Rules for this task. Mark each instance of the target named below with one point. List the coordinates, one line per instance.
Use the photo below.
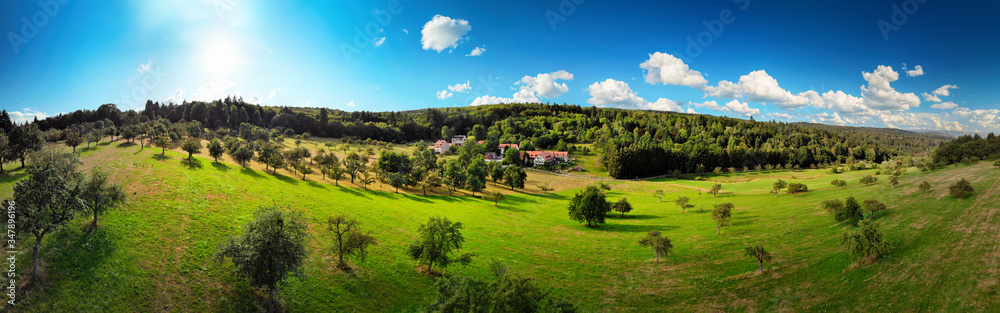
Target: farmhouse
(505, 146)
(539, 158)
(441, 146)
(458, 141)
(492, 157)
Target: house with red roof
(441, 146)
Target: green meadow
(156, 252)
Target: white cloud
(213, 90)
(944, 91)
(691, 111)
(666, 69)
(350, 104)
(613, 92)
(663, 105)
(460, 87)
(944, 105)
(443, 32)
(543, 85)
(741, 108)
(485, 100)
(273, 92)
(931, 97)
(781, 115)
(26, 115)
(476, 52)
(255, 99)
(985, 118)
(378, 41)
(444, 94)
(712, 105)
(405, 31)
(144, 67)
(916, 71)
(758, 86)
(177, 97)
(879, 95)
(839, 101)
(827, 118)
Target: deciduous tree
(866, 243)
(757, 251)
(436, 240)
(961, 189)
(622, 206)
(191, 146)
(589, 206)
(495, 197)
(271, 246)
(348, 240)
(722, 214)
(778, 185)
(661, 244)
(715, 190)
(215, 149)
(101, 194)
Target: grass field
(155, 253)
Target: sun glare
(221, 58)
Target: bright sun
(221, 58)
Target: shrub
(961, 189)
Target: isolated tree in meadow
(243, 155)
(661, 244)
(622, 206)
(866, 243)
(961, 189)
(436, 240)
(271, 246)
(838, 183)
(722, 214)
(894, 181)
(191, 146)
(348, 240)
(334, 171)
(23, 140)
(795, 188)
(590, 206)
(454, 176)
(73, 139)
(496, 172)
(836, 208)
(757, 251)
(476, 176)
(852, 211)
(603, 186)
(996, 163)
(101, 194)
(48, 199)
(778, 185)
(93, 136)
(163, 142)
(544, 187)
(924, 186)
(868, 180)
(715, 190)
(215, 149)
(873, 206)
(494, 197)
(514, 176)
(659, 194)
(684, 203)
(397, 180)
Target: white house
(458, 140)
(441, 146)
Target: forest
(633, 144)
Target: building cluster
(536, 158)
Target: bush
(961, 189)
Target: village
(528, 158)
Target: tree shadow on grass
(512, 208)
(316, 185)
(192, 164)
(13, 176)
(78, 254)
(636, 228)
(220, 166)
(252, 173)
(126, 144)
(160, 157)
(351, 191)
(417, 198)
(742, 219)
(520, 200)
(618, 216)
(286, 179)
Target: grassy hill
(155, 253)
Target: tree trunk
(36, 264)
(95, 219)
(719, 230)
(22, 160)
(271, 290)
(760, 266)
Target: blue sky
(901, 64)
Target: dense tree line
(968, 149)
